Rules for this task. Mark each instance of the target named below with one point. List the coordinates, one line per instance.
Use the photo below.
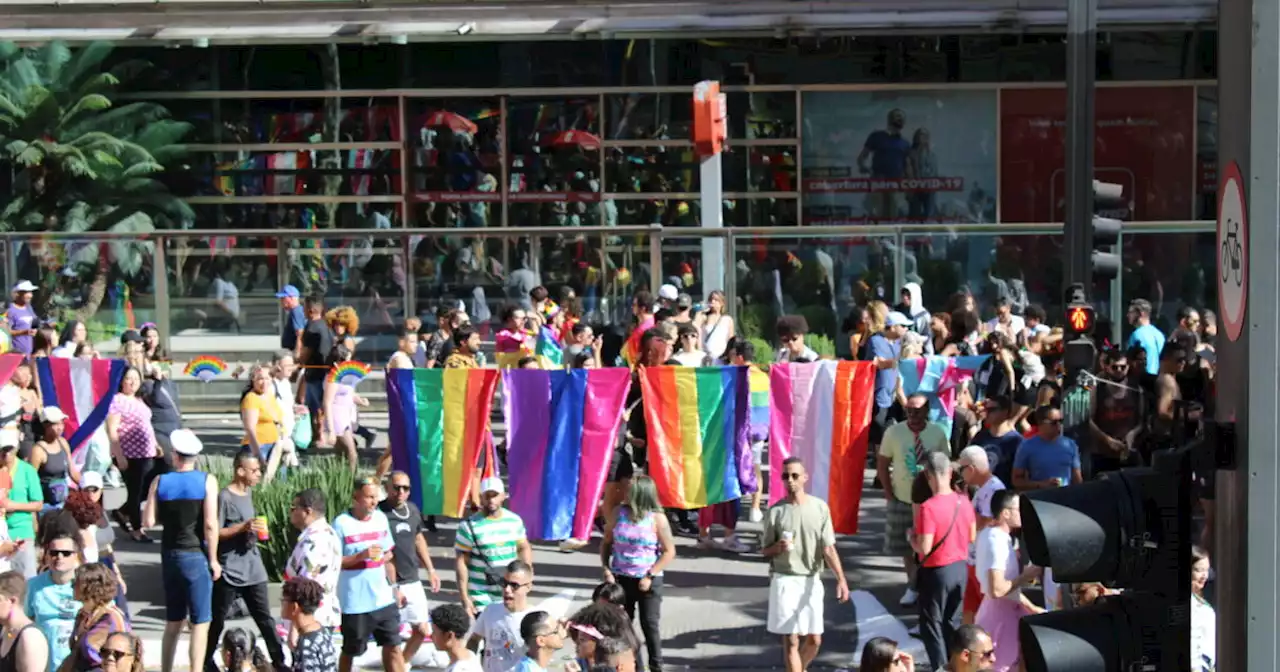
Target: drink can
(788, 536)
(263, 533)
(375, 552)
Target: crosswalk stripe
(874, 620)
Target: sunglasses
(515, 585)
(113, 655)
(57, 552)
(790, 477)
(401, 488)
(989, 654)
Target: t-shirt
(1152, 342)
(1001, 451)
(294, 321)
(364, 590)
(886, 379)
(1043, 460)
(471, 664)
(982, 506)
(528, 664)
(888, 154)
(809, 523)
(228, 294)
(240, 557)
(935, 518)
(25, 489)
(496, 540)
(995, 551)
(267, 430)
(319, 340)
(21, 318)
(406, 526)
(315, 652)
(54, 608)
(899, 445)
(500, 629)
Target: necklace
(396, 511)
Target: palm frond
(99, 83)
(94, 102)
(121, 120)
(51, 57)
(85, 60)
(31, 155)
(9, 107)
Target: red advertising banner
(1144, 140)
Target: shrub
(757, 321)
(822, 322)
(825, 347)
(329, 474)
(764, 351)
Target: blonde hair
(877, 313)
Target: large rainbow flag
(439, 426)
(698, 420)
(81, 388)
(822, 414)
(561, 430)
(631, 348)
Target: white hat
(492, 484)
(896, 319)
(90, 479)
(185, 442)
(24, 286)
(9, 438)
(668, 293)
(52, 414)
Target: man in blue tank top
(185, 502)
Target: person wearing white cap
(51, 456)
(486, 542)
(185, 502)
(21, 503)
(22, 317)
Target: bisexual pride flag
(561, 430)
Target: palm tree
(81, 163)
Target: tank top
(53, 475)
(635, 545)
(9, 661)
(180, 503)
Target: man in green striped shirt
(491, 538)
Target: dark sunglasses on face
(113, 655)
(790, 477)
(401, 488)
(57, 552)
(513, 585)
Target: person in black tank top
(51, 456)
(185, 501)
(24, 647)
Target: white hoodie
(919, 315)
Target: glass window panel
(687, 212)
(821, 279)
(626, 270)
(223, 285)
(658, 169)
(1207, 153)
(649, 116)
(454, 210)
(273, 120)
(1171, 270)
(555, 149)
(570, 266)
(457, 146)
(762, 115)
(109, 298)
(358, 172)
(468, 269)
(294, 216)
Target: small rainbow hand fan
(348, 373)
(205, 367)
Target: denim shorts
(188, 587)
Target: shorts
(415, 609)
(383, 624)
(898, 521)
(620, 466)
(972, 592)
(314, 396)
(188, 587)
(795, 604)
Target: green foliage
(822, 322)
(825, 347)
(764, 351)
(757, 321)
(329, 474)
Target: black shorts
(383, 624)
(620, 466)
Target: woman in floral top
(317, 555)
(133, 445)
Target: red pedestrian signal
(1080, 319)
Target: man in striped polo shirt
(490, 540)
(367, 587)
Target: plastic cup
(263, 533)
(375, 552)
(787, 538)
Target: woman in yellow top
(260, 413)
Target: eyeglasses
(790, 476)
(57, 552)
(515, 585)
(401, 488)
(114, 655)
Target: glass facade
(393, 178)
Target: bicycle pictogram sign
(1233, 251)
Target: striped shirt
(364, 590)
(495, 540)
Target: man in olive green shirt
(799, 540)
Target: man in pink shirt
(944, 529)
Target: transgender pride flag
(81, 388)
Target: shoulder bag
(941, 540)
(493, 576)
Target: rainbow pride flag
(631, 349)
(561, 429)
(439, 426)
(548, 349)
(699, 452)
(822, 415)
(759, 417)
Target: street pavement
(714, 606)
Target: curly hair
(83, 509)
(303, 592)
(95, 585)
(609, 621)
(344, 316)
(135, 647)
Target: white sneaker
(571, 545)
(708, 544)
(733, 545)
(908, 598)
(756, 515)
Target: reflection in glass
(1207, 153)
(295, 216)
(688, 212)
(1171, 270)
(349, 172)
(222, 285)
(649, 116)
(467, 271)
(555, 150)
(109, 297)
(457, 153)
(762, 115)
(1026, 269)
(293, 120)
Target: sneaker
(908, 598)
(571, 545)
(734, 545)
(708, 544)
(756, 515)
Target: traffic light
(1109, 206)
(1078, 351)
(1129, 530)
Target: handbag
(493, 576)
(941, 540)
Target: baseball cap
(288, 292)
(684, 301)
(25, 286)
(90, 479)
(185, 442)
(668, 293)
(131, 336)
(52, 414)
(896, 319)
(492, 484)
(9, 438)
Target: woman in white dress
(716, 325)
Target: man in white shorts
(411, 554)
(799, 540)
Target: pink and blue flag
(81, 388)
(940, 379)
(561, 430)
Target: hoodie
(919, 315)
